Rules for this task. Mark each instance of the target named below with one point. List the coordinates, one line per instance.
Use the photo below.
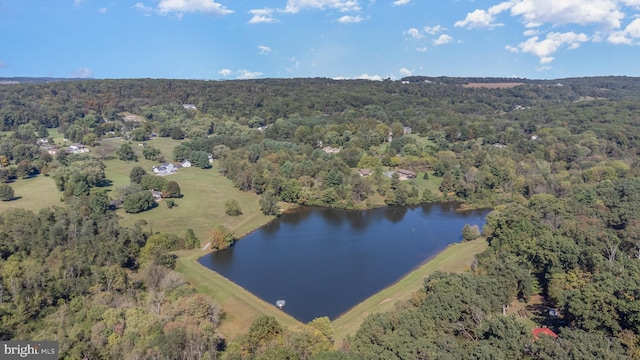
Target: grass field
(33, 194)
(456, 258)
(202, 205)
(241, 307)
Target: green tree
(177, 134)
(125, 153)
(191, 240)
(136, 174)
(153, 182)
(232, 208)
(269, 204)
(171, 189)
(151, 153)
(6, 192)
(138, 202)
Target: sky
(340, 39)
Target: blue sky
(372, 39)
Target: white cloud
(102, 10)
(547, 47)
(370, 77)
(531, 32)
(350, 19)
(422, 49)
(180, 7)
(628, 36)
(535, 13)
(82, 73)
(484, 18)
(294, 6)
(225, 72)
(3, 64)
(246, 74)
(145, 9)
(262, 16)
(401, 2)
(414, 33)
(264, 50)
(405, 72)
(442, 39)
(432, 30)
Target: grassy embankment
(456, 258)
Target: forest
(557, 160)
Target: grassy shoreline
(455, 258)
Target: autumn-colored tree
(221, 237)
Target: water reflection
(324, 261)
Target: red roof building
(543, 331)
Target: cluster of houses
(53, 149)
(169, 168)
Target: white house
(186, 163)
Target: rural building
(406, 174)
(157, 195)
(186, 163)
(543, 331)
(499, 146)
(77, 149)
(164, 169)
(210, 157)
(364, 172)
(189, 106)
(406, 130)
(330, 150)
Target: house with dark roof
(364, 172)
(406, 174)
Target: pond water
(325, 261)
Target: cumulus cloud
(350, 19)
(82, 73)
(432, 30)
(295, 6)
(629, 36)
(401, 2)
(535, 13)
(264, 50)
(484, 18)
(262, 16)
(246, 74)
(225, 72)
(102, 10)
(442, 39)
(405, 72)
(179, 7)
(370, 77)
(547, 47)
(422, 49)
(414, 33)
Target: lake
(325, 261)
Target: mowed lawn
(202, 204)
(33, 194)
(456, 258)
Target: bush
(470, 232)
(232, 208)
(6, 192)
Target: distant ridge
(35, 80)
